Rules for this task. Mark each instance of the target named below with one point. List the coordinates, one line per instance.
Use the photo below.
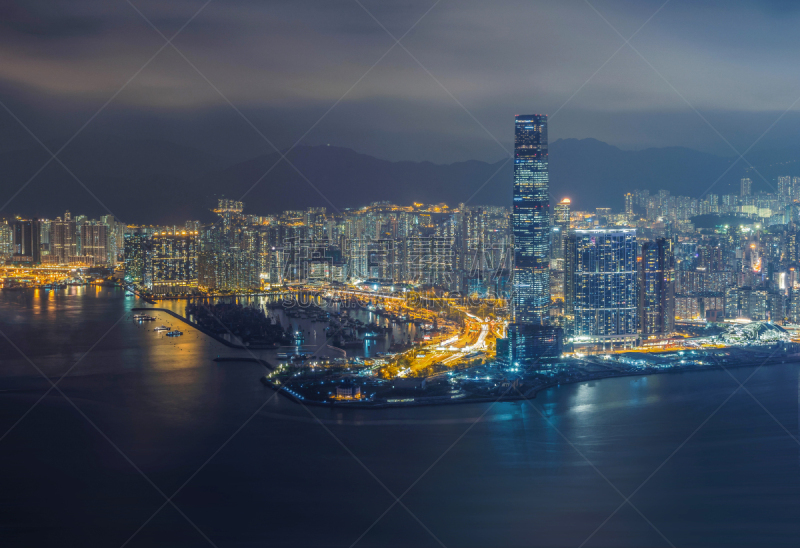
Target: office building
(531, 221)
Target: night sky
(702, 73)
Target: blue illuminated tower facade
(601, 288)
(531, 220)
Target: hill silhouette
(149, 181)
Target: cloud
(489, 61)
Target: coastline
(530, 393)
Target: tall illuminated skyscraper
(601, 287)
(172, 261)
(560, 227)
(657, 288)
(531, 220)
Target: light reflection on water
(510, 480)
(314, 331)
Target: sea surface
(148, 442)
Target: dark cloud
(285, 63)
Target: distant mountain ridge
(148, 181)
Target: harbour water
(314, 332)
(147, 416)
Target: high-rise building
(137, 243)
(44, 238)
(531, 220)
(746, 186)
(785, 186)
(629, 205)
(172, 260)
(6, 239)
(795, 188)
(114, 231)
(63, 236)
(601, 286)
(94, 238)
(26, 245)
(560, 227)
(657, 288)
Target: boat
(161, 328)
(143, 318)
(175, 333)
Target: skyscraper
(657, 288)
(137, 243)
(63, 238)
(560, 227)
(601, 286)
(26, 241)
(746, 186)
(172, 261)
(560, 230)
(785, 186)
(531, 220)
(94, 237)
(6, 239)
(629, 200)
(529, 338)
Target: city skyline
(284, 273)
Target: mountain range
(150, 181)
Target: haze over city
(399, 274)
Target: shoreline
(531, 393)
(528, 395)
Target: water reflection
(314, 331)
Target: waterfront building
(6, 239)
(601, 286)
(657, 288)
(528, 344)
(63, 239)
(172, 260)
(348, 391)
(115, 234)
(229, 252)
(136, 246)
(26, 241)
(531, 220)
(94, 240)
